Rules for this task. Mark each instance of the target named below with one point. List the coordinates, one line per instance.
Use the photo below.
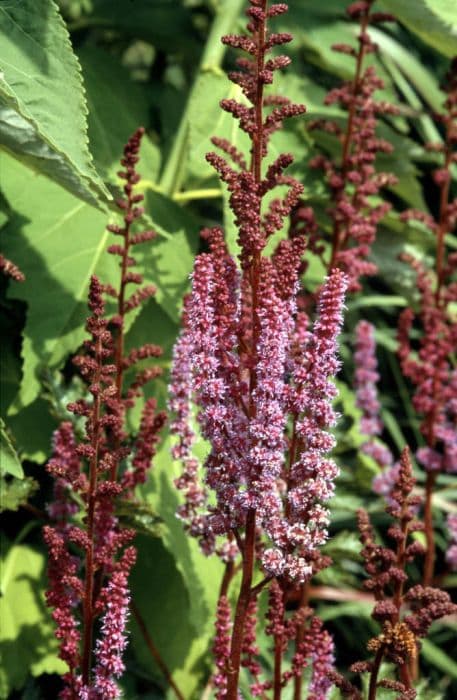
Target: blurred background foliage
(77, 77)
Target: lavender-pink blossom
(246, 431)
(112, 642)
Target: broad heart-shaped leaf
(27, 642)
(434, 21)
(201, 575)
(43, 109)
(117, 107)
(170, 259)
(166, 608)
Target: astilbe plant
(90, 553)
(405, 612)
(258, 373)
(430, 364)
(354, 184)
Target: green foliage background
(76, 78)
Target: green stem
(211, 60)
(189, 195)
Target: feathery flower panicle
(221, 646)
(246, 362)
(248, 456)
(399, 639)
(354, 181)
(319, 647)
(431, 369)
(429, 365)
(93, 585)
(112, 642)
(432, 373)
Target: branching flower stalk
(353, 182)
(405, 614)
(253, 367)
(432, 369)
(90, 589)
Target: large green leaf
(434, 21)
(32, 428)
(27, 642)
(419, 75)
(59, 241)
(201, 575)
(166, 611)
(207, 119)
(439, 658)
(59, 246)
(170, 259)
(226, 14)
(110, 93)
(42, 104)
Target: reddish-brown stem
(119, 342)
(277, 682)
(88, 601)
(444, 199)
(255, 590)
(429, 563)
(374, 673)
(248, 547)
(405, 676)
(244, 597)
(154, 651)
(35, 511)
(401, 560)
(257, 140)
(229, 573)
(337, 238)
(399, 585)
(304, 599)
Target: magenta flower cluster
(247, 466)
